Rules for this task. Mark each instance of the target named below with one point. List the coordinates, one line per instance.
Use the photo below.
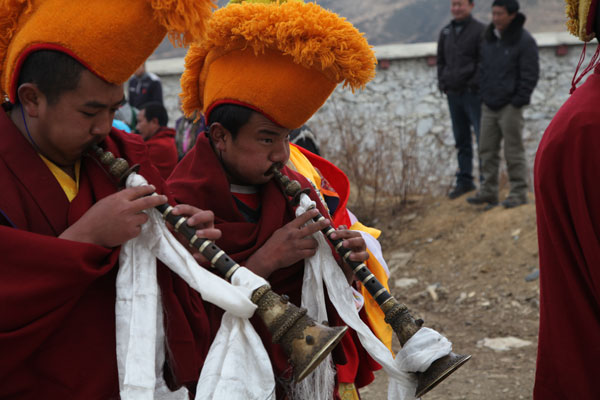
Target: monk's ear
(30, 98)
(219, 135)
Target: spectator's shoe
(489, 206)
(459, 190)
(480, 199)
(512, 202)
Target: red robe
(567, 191)
(162, 151)
(199, 180)
(57, 297)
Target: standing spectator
(160, 140)
(567, 195)
(509, 71)
(457, 58)
(186, 132)
(144, 87)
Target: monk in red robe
(62, 218)
(567, 172)
(259, 229)
(254, 83)
(152, 126)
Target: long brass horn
(305, 341)
(396, 313)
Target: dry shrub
(386, 162)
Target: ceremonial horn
(305, 341)
(396, 313)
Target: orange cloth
(225, 84)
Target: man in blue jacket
(457, 58)
(509, 71)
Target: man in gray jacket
(457, 58)
(509, 71)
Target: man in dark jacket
(457, 57)
(509, 71)
(144, 87)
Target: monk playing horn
(262, 70)
(62, 220)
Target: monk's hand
(202, 221)
(288, 245)
(354, 241)
(116, 218)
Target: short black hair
(512, 6)
(53, 72)
(155, 109)
(231, 116)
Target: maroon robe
(57, 297)
(567, 191)
(162, 151)
(200, 180)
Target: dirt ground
(470, 266)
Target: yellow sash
(68, 185)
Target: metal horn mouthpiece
(305, 341)
(396, 313)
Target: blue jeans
(465, 111)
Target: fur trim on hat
(314, 37)
(580, 21)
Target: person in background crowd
(457, 59)
(152, 120)
(186, 132)
(509, 71)
(144, 87)
(567, 199)
(118, 124)
(127, 114)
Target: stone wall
(402, 117)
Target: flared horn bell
(308, 352)
(304, 341)
(405, 326)
(439, 370)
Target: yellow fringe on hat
(577, 18)
(191, 99)
(314, 37)
(183, 19)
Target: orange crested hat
(280, 58)
(581, 16)
(112, 38)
